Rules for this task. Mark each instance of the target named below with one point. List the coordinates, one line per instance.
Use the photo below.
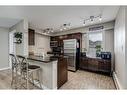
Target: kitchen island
(48, 72)
(54, 70)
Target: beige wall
(119, 48)
(126, 45)
(42, 43)
(4, 48)
(109, 43)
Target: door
(70, 51)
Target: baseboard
(5, 68)
(118, 86)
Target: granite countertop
(91, 57)
(42, 59)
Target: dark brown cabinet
(104, 65)
(92, 64)
(95, 64)
(31, 37)
(62, 76)
(83, 63)
(60, 38)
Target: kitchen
(61, 46)
(68, 56)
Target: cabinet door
(62, 72)
(31, 36)
(93, 64)
(105, 65)
(83, 63)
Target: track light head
(84, 23)
(100, 18)
(91, 18)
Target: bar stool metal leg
(28, 70)
(39, 77)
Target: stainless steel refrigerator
(71, 49)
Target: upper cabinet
(59, 39)
(31, 36)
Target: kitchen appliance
(53, 43)
(106, 55)
(72, 50)
(83, 54)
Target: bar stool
(15, 70)
(27, 72)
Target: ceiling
(43, 17)
(8, 22)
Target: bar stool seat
(33, 67)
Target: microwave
(53, 43)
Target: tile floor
(76, 80)
(88, 80)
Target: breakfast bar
(48, 73)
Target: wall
(84, 30)
(4, 48)
(119, 48)
(126, 45)
(22, 26)
(42, 43)
(109, 43)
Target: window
(95, 43)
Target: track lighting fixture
(84, 23)
(100, 18)
(48, 30)
(65, 26)
(91, 19)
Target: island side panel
(54, 74)
(48, 74)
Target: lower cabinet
(62, 75)
(95, 64)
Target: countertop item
(42, 59)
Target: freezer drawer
(71, 62)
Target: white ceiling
(54, 16)
(8, 22)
